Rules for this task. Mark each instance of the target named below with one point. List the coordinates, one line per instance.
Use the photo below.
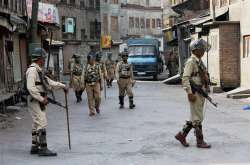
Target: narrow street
(144, 136)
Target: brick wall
(230, 55)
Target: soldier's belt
(38, 83)
(90, 82)
(77, 74)
(124, 77)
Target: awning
(55, 43)
(221, 11)
(198, 21)
(17, 20)
(201, 20)
(115, 42)
(18, 23)
(5, 23)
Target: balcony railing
(16, 7)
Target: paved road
(144, 136)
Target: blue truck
(145, 57)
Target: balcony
(14, 8)
(143, 32)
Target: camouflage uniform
(93, 87)
(192, 71)
(37, 95)
(101, 65)
(124, 76)
(110, 65)
(77, 80)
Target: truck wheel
(155, 77)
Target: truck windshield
(141, 50)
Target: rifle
(199, 90)
(52, 101)
(105, 89)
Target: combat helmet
(98, 56)
(125, 53)
(38, 53)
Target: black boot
(121, 102)
(199, 137)
(181, 136)
(110, 83)
(80, 95)
(43, 150)
(77, 96)
(131, 103)
(34, 147)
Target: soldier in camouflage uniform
(195, 70)
(77, 79)
(93, 81)
(124, 76)
(101, 65)
(37, 85)
(110, 65)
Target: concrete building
(178, 29)
(130, 18)
(239, 43)
(80, 27)
(13, 43)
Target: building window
(114, 1)
(63, 1)
(131, 22)
(82, 4)
(92, 30)
(142, 22)
(215, 2)
(97, 4)
(105, 23)
(246, 46)
(223, 2)
(95, 30)
(137, 22)
(148, 23)
(158, 23)
(153, 23)
(68, 25)
(147, 2)
(114, 23)
(16, 6)
(83, 35)
(6, 3)
(91, 4)
(72, 2)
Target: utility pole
(34, 42)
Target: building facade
(123, 19)
(237, 11)
(13, 44)
(80, 27)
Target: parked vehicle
(145, 57)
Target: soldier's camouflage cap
(98, 55)
(38, 53)
(125, 53)
(91, 56)
(200, 44)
